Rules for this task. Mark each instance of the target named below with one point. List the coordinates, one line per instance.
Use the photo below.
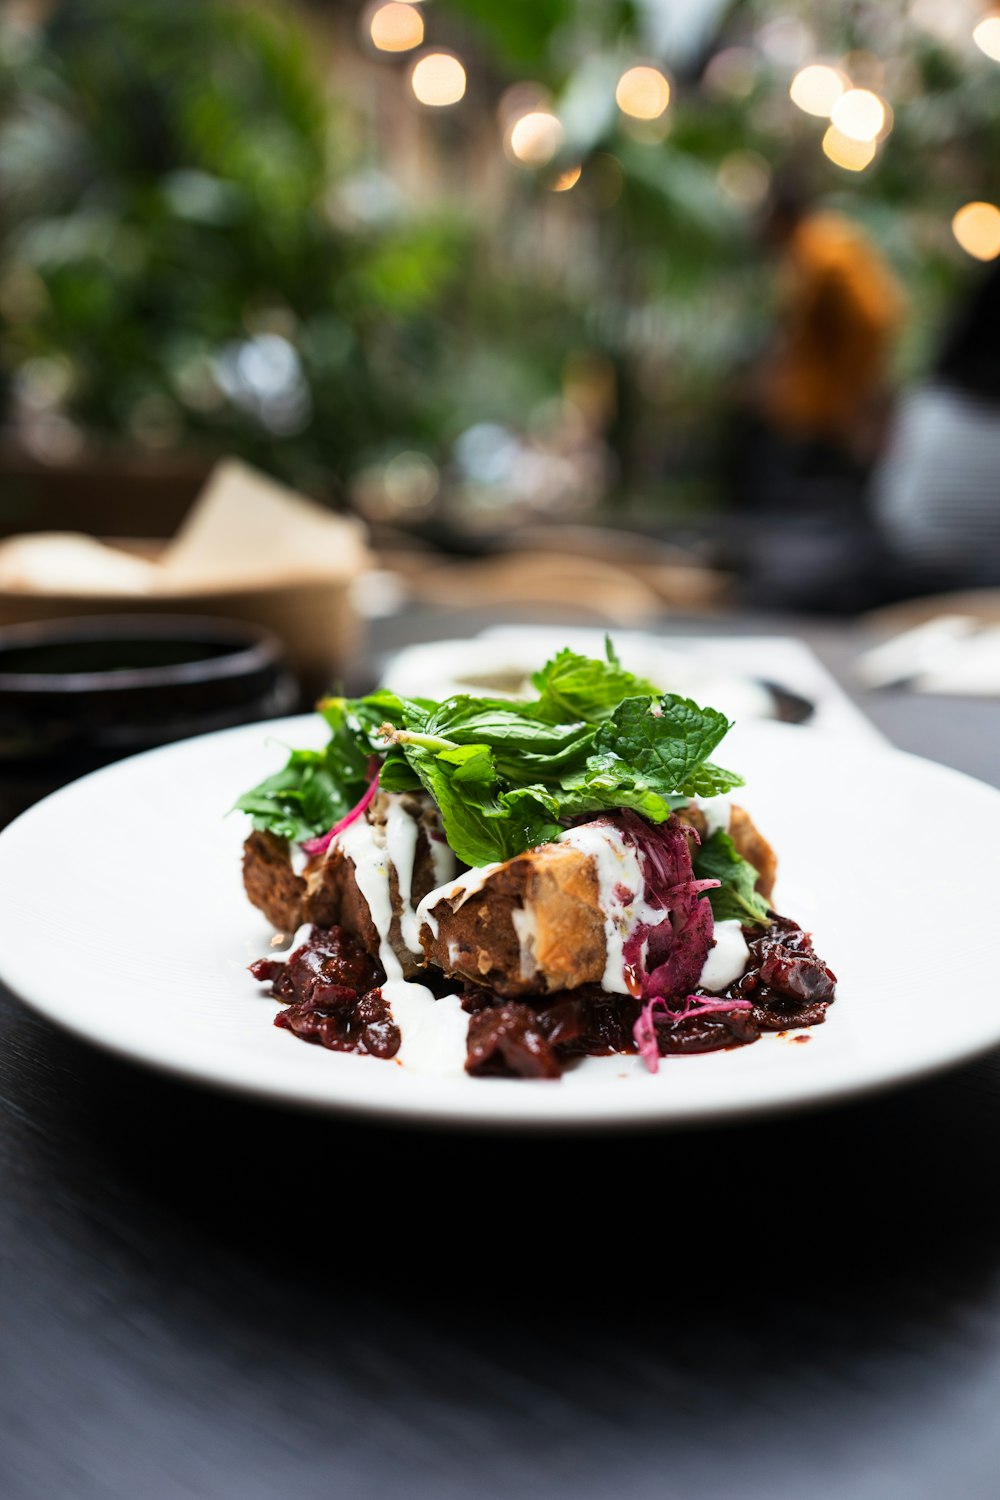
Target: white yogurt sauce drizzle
(728, 959)
(433, 1032)
(717, 812)
(457, 891)
(619, 866)
(282, 944)
(371, 871)
(401, 830)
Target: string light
(987, 37)
(438, 79)
(976, 227)
(844, 151)
(643, 93)
(860, 115)
(397, 27)
(817, 88)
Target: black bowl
(77, 694)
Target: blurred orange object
(840, 307)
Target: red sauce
(332, 986)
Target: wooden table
(203, 1297)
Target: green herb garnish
(736, 895)
(507, 776)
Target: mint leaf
(667, 742)
(507, 775)
(573, 687)
(397, 775)
(480, 827)
(736, 896)
(608, 782)
(708, 780)
(471, 762)
(306, 797)
(523, 747)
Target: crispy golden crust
(536, 924)
(754, 848)
(748, 839)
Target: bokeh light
(846, 152)
(411, 481)
(519, 99)
(786, 40)
(643, 93)
(397, 27)
(731, 74)
(976, 227)
(745, 178)
(438, 79)
(864, 69)
(946, 22)
(987, 37)
(566, 180)
(859, 114)
(535, 138)
(817, 88)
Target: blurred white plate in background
(747, 677)
(500, 663)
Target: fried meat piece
(754, 848)
(327, 892)
(270, 882)
(534, 924)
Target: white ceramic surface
(122, 917)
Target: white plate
(122, 917)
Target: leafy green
(668, 742)
(481, 827)
(736, 896)
(506, 775)
(571, 687)
(305, 797)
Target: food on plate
(500, 887)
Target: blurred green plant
(170, 263)
(179, 261)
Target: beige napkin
(245, 529)
(67, 562)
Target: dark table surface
(205, 1297)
